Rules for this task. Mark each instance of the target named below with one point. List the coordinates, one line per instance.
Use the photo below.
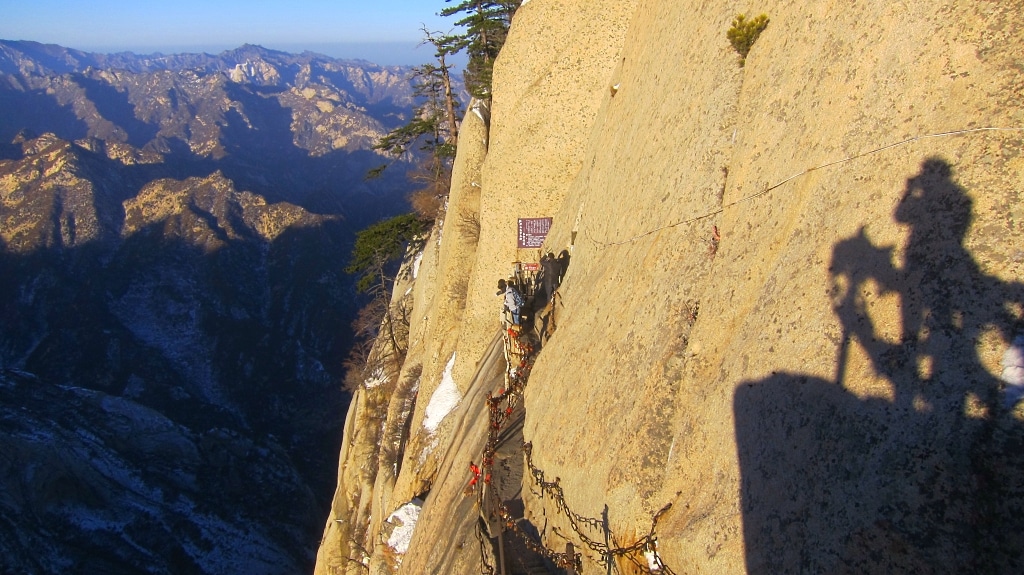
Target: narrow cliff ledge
(792, 291)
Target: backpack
(517, 297)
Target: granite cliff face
(793, 288)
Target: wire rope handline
(797, 175)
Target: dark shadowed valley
(174, 313)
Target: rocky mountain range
(173, 312)
(291, 128)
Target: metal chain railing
(645, 545)
(500, 408)
(485, 565)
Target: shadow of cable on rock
(931, 481)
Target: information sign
(532, 231)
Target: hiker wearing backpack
(513, 300)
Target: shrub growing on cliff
(379, 245)
(432, 130)
(376, 251)
(486, 24)
(744, 33)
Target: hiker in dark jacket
(548, 276)
(563, 264)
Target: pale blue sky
(382, 31)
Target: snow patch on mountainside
(444, 399)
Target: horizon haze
(387, 32)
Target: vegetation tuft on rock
(744, 33)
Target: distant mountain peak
(247, 49)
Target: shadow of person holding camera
(931, 481)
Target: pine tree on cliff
(433, 129)
(376, 250)
(445, 46)
(486, 24)
(433, 123)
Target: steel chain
(515, 381)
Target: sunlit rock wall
(792, 283)
(819, 390)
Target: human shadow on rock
(931, 481)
